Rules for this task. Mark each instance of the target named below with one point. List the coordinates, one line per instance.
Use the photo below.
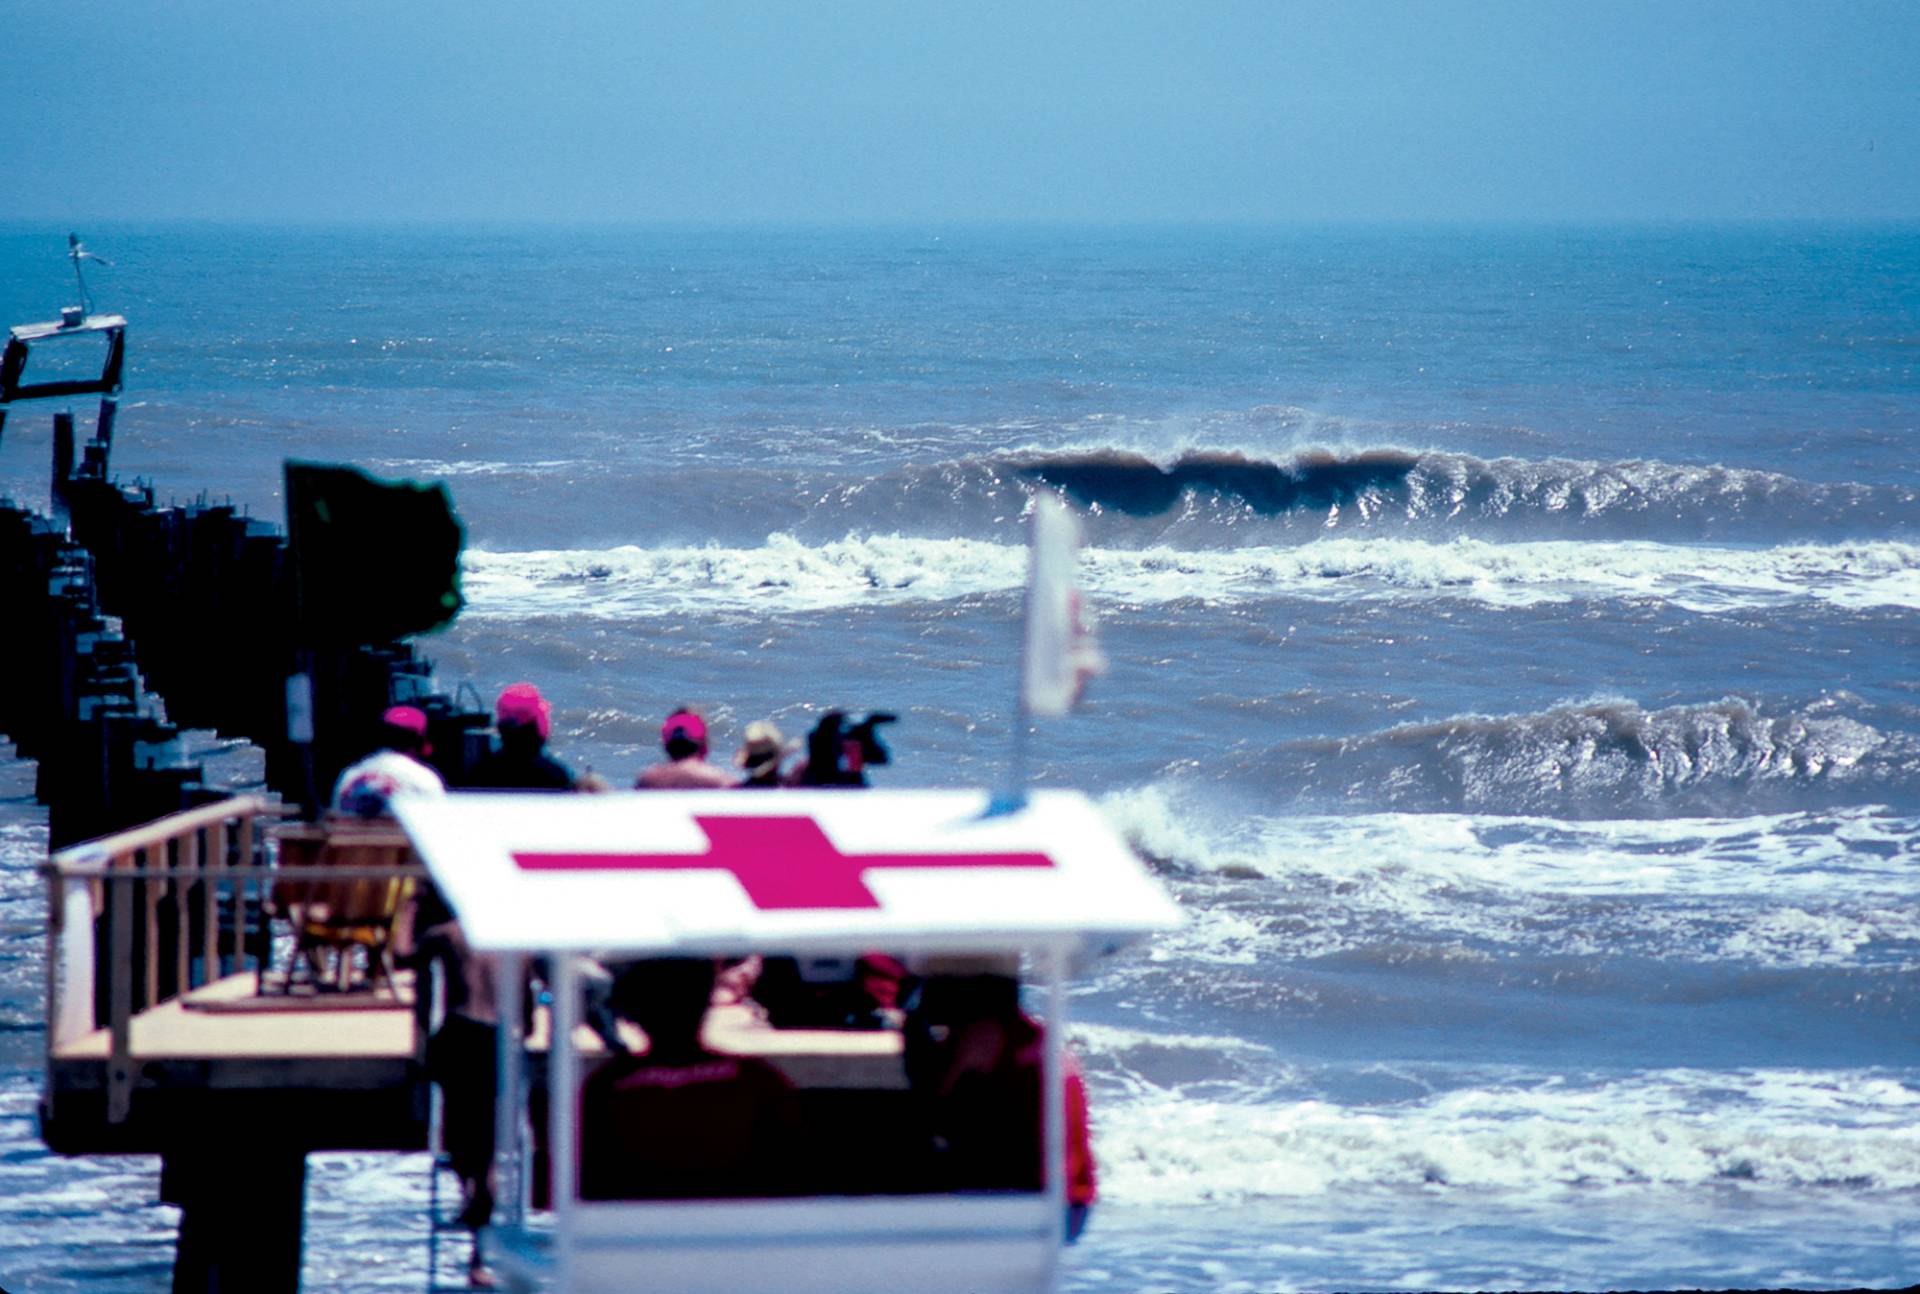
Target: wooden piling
(242, 1217)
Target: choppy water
(1513, 640)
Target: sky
(838, 111)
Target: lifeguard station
(922, 875)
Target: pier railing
(149, 915)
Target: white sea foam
(1164, 440)
(1759, 1129)
(1865, 849)
(1806, 889)
(1113, 1040)
(457, 467)
(787, 575)
(782, 575)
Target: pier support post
(242, 1215)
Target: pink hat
(684, 724)
(408, 717)
(522, 704)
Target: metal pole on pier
(1011, 797)
(77, 252)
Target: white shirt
(364, 788)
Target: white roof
(658, 872)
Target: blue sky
(885, 112)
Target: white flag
(1061, 654)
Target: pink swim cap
(522, 704)
(411, 718)
(685, 724)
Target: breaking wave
(785, 574)
(1832, 889)
(1611, 758)
(1381, 485)
(1315, 481)
(1195, 499)
(1199, 493)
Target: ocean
(1512, 635)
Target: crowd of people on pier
(838, 752)
(679, 1120)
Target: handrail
(280, 872)
(161, 830)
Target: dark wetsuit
(520, 767)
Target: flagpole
(1013, 797)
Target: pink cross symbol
(781, 862)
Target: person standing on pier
(460, 1055)
(521, 763)
(760, 755)
(461, 1058)
(365, 788)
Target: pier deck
(160, 1040)
(221, 1061)
(231, 1021)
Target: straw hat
(764, 745)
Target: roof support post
(1053, 1094)
(563, 1104)
(509, 1159)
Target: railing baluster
(186, 863)
(149, 892)
(209, 911)
(243, 858)
(119, 994)
(216, 881)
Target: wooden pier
(170, 1032)
(169, 1027)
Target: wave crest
(1611, 758)
(1345, 488)
(1783, 1128)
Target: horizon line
(939, 223)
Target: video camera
(872, 749)
(840, 751)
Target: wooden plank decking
(229, 1021)
(221, 1062)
